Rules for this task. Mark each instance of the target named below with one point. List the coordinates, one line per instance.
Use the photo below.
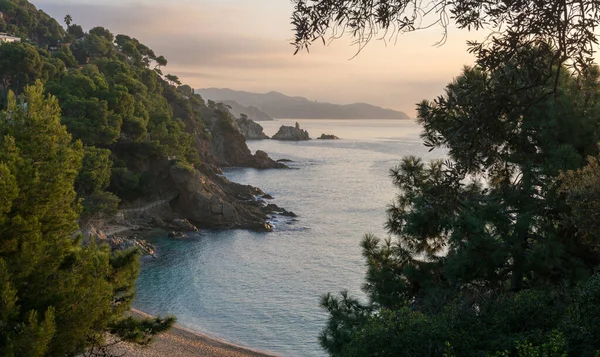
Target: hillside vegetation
(89, 124)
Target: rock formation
(215, 202)
(291, 133)
(328, 137)
(229, 145)
(250, 129)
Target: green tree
(85, 113)
(50, 282)
(480, 227)
(173, 79)
(20, 65)
(563, 28)
(95, 172)
(76, 31)
(582, 190)
(161, 61)
(58, 296)
(68, 20)
(24, 20)
(64, 54)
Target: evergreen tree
(484, 238)
(57, 295)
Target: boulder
(183, 225)
(177, 235)
(274, 209)
(263, 161)
(291, 133)
(328, 137)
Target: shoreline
(183, 342)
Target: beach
(182, 342)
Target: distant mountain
(278, 105)
(252, 112)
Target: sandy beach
(182, 342)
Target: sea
(262, 290)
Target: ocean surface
(262, 290)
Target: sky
(245, 45)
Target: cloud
(189, 35)
(245, 45)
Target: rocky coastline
(251, 130)
(196, 202)
(183, 199)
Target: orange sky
(244, 45)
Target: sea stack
(291, 133)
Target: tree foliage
(22, 19)
(563, 29)
(488, 252)
(493, 253)
(582, 190)
(57, 294)
(60, 296)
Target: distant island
(278, 105)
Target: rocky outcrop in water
(328, 137)
(250, 129)
(291, 133)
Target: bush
(141, 331)
(101, 203)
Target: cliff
(229, 145)
(250, 129)
(153, 148)
(278, 105)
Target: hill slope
(252, 112)
(279, 105)
(145, 140)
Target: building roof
(7, 37)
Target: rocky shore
(182, 198)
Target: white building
(4, 37)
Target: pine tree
(483, 244)
(57, 294)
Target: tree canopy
(57, 295)
(564, 29)
(81, 115)
(490, 252)
(495, 250)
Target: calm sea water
(262, 289)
